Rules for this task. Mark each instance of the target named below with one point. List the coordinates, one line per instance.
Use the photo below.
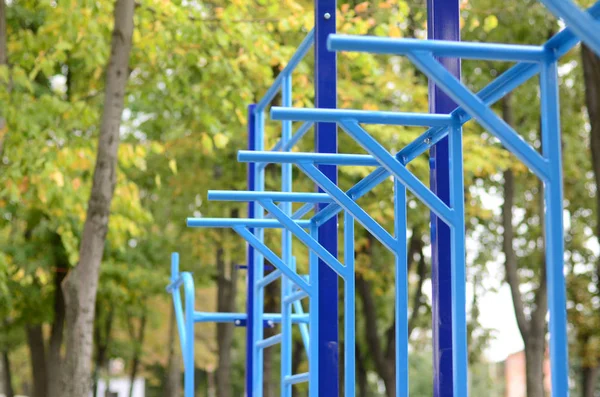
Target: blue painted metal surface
(442, 24)
(250, 276)
(446, 201)
(326, 142)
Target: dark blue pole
(442, 24)
(326, 142)
(250, 261)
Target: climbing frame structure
(315, 223)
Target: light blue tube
(298, 378)
(268, 342)
(188, 354)
(460, 362)
(242, 222)
(295, 296)
(301, 51)
(399, 171)
(303, 327)
(484, 115)
(362, 116)
(578, 21)
(175, 278)
(273, 258)
(313, 313)
(554, 245)
(299, 157)
(283, 196)
(401, 295)
(349, 309)
(441, 48)
(305, 238)
(212, 317)
(304, 128)
(286, 249)
(349, 205)
(269, 278)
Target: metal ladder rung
(298, 295)
(298, 378)
(263, 344)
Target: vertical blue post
(401, 290)
(188, 354)
(349, 308)
(326, 142)
(442, 24)
(553, 197)
(250, 281)
(259, 266)
(313, 318)
(459, 301)
(286, 248)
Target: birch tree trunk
(81, 284)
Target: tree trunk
(226, 291)
(102, 339)
(81, 284)
(589, 379)
(54, 361)
(361, 373)
(138, 342)
(3, 61)
(533, 330)
(37, 355)
(8, 384)
(173, 381)
(272, 305)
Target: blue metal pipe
(302, 50)
(250, 276)
(440, 48)
(313, 245)
(268, 279)
(298, 378)
(478, 109)
(268, 342)
(243, 222)
(579, 21)
(213, 317)
(401, 293)
(554, 231)
(349, 205)
(362, 116)
(349, 308)
(241, 195)
(302, 130)
(295, 296)
(300, 157)
(273, 258)
(188, 353)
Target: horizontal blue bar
(442, 48)
(205, 317)
(298, 378)
(244, 195)
(268, 279)
(289, 68)
(361, 116)
(270, 341)
(247, 222)
(296, 296)
(251, 156)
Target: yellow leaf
(157, 180)
(395, 31)
(173, 166)
(221, 141)
(58, 177)
(361, 7)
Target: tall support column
(326, 142)
(401, 284)
(553, 199)
(259, 266)
(443, 24)
(250, 281)
(286, 248)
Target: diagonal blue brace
(310, 242)
(349, 205)
(274, 259)
(577, 20)
(398, 170)
(481, 112)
